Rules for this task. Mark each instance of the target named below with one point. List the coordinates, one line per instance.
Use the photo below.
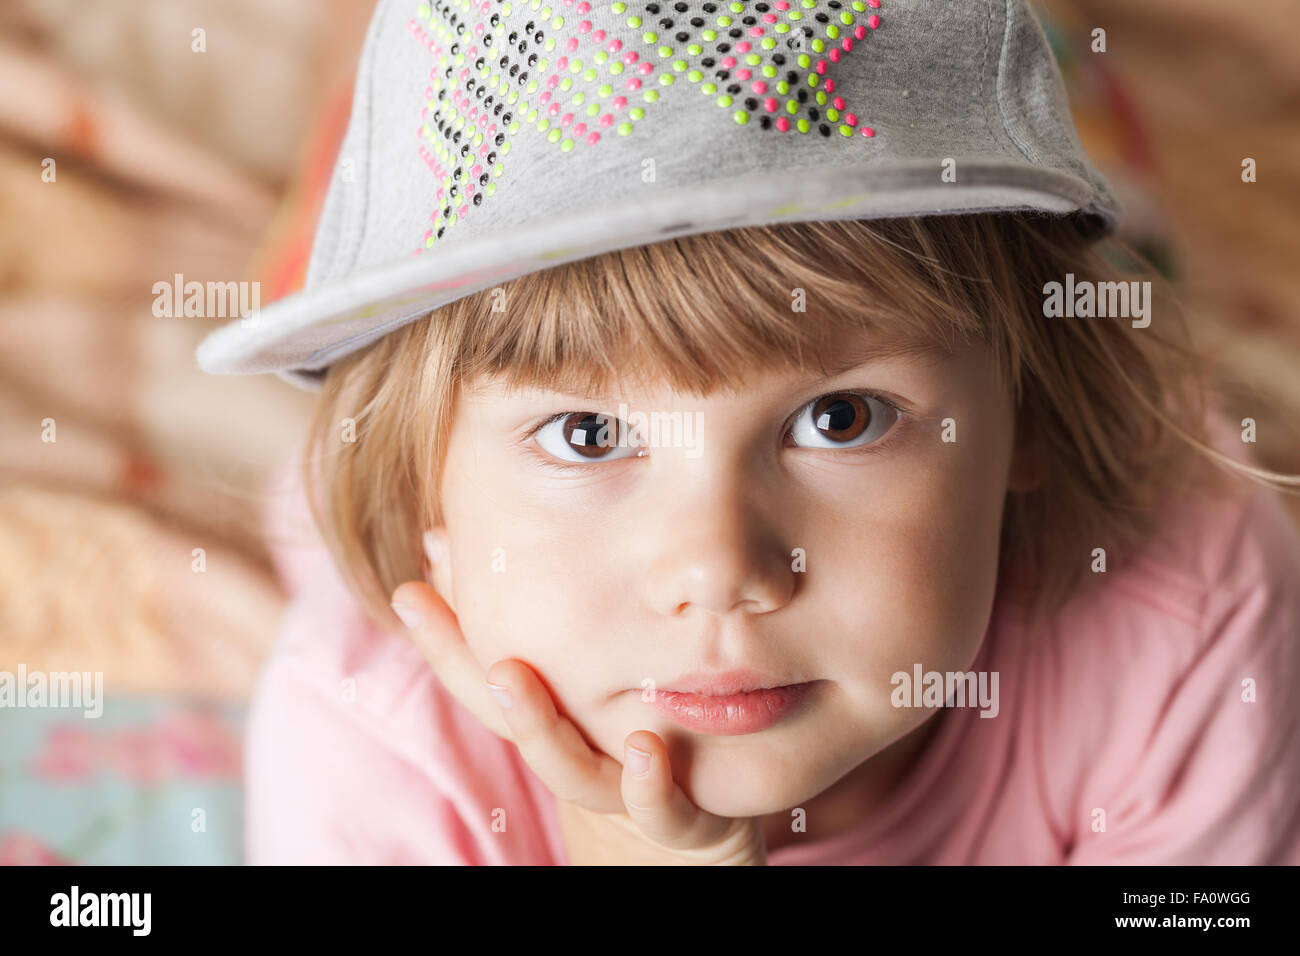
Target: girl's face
(825, 532)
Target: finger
(550, 743)
(435, 630)
(656, 804)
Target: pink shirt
(1132, 702)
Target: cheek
(911, 579)
(547, 595)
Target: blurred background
(213, 165)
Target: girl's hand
(611, 813)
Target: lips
(731, 703)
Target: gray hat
(489, 139)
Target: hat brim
(298, 337)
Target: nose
(715, 553)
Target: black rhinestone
(736, 33)
(506, 119)
(453, 190)
(495, 19)
(446, 211)
(666, 24)
(813, 114)
(482, 180)
(824, 129)
(803, 96)
(683, 37)
(442, 229)
(478, 64)
(734, 89)
(487, 39)
(652, 8)
(765, 122)
(749, 21)
(478, 199)
(514, 36)
(532, 59)
(499, 138)
(697, 22)
(791, 76)
(762, 7)
(751, 103)
(478, 94)
(492, 158)
(707, 62)
(455, 48)
(778, 59)
(680, 7)
(523, 78)
(710, 8)
(723, 74)
(722, 48)
(528, 27)
(539, 37)
(821, 18)
(503, 61)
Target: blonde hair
(1116, 414)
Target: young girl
(754, 504)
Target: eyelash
(570, 467)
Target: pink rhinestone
(461, 211)
(584, 6)
(830, 86)
(620, 102)
(743, 46)
(634, 84)
(579, 129)
(838, 102)
(873, 21)
(847, 44)
(593, 139)
(615, 46)
(584, 26)
(859, 32)
(743, 74)
(630, 56)
(835, 55)
(756, 31)
(728, 62)
(645, 68)
(782, 123)
(572, 44)
(553, 109)
(606, 120)
(770, 104)
(565, 120)
(820, 67)
(561, 63)
(868, 131)
(851, 119)
(769, 18)
(759, 86)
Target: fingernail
(502, 694)
(638, 760)
(407, 613)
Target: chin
(742, 782)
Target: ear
(1028, 470)
(437, 564)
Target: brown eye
(841, 417)
(841, 420)
(587, 436)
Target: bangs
(707, 311)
